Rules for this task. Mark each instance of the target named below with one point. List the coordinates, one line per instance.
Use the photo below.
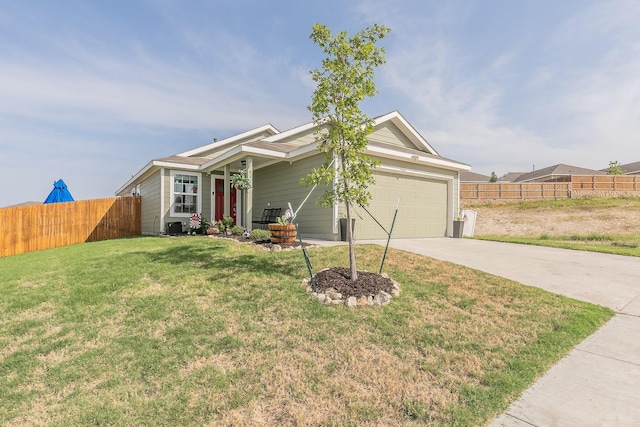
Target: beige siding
(389, 133)
(205, 193)
(150, 192)
(422, 211)
(278, 184)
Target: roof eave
(398, 119)
(150, 168)
(440, 162)
(232, 139)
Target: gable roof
(510, 176)
(414, 136)
(558, 170)
(468, 176)
(268, 128)
(631, 168)
(278, 146)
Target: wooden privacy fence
(32, 228)
(625, 183)
(576, 186)
(512, 191)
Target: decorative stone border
(331, 296)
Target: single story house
(556, 173)
(473, 177)
(510, 177)
(412, 176)
(631, 168)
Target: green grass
(617, 244)
(201, 331)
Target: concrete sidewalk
(597, 383)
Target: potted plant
(210, 227)
(225, 224)
(240, 181)
(282, 231)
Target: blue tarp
(60, 193)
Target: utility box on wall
(174, 227)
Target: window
(185, 193)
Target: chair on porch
(269, 216)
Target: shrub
(225, 224)
(237, 230)
(259, 234)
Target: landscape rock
(334, 287)
(384, 297)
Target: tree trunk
(352, 250)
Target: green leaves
(345, 80)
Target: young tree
(345, 80)
(494, 177)
(614, 168)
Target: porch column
(227, 190)
(248, 205)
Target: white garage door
(422, 211)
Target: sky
(91, 91)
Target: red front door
(219, 200)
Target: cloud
(570, 95)
(217, 78)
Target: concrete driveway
(598, 382)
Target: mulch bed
(339, 278)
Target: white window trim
(172, 193)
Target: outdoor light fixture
(244, 162)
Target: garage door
(422, 211)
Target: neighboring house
(631, 168)
(468, 176)
(510, 176)
(426, 184)
(556, 173)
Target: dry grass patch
(199, 331)
(599, 225)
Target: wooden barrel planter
(282, 233)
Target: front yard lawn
(202, 331)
